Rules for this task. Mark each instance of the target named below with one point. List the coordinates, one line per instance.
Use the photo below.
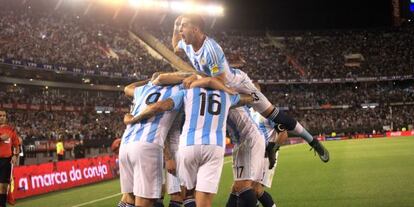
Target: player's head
(3, 117)
(191, 26)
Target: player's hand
(230, 91)
(177, 24)
(4, 137)
(127, 118)
(170, 166)
(14, 160)
(271, 154)
(189, 80)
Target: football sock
(189, 202)
(266, 200)
(175, 204)
(247, 198)
(232, 201)
(291, 124)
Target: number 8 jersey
(205, 115)
(155, 129)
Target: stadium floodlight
(183, 7)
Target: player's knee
(258, 189)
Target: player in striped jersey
(142, 145)
(208, 58)
(128, 198)
(273, 141)
(201, 145)
(248, 155)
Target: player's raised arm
(171, 78)
(244, 99)
(129, 89)
(176, 35)
(151, 111)
(213, 83)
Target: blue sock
(175, 203)
(189, 202)
(266, 200)
(232, 202)
(247, 198)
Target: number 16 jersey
(205, 115)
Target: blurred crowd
(37, 95)
(66, 39)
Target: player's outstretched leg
(284, 121)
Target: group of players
(179, 121)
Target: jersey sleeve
(138, 91)
(178, 100)
(181, 44)
(15, 139)
(216, 60)
(234, 99)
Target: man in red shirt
(9, 152)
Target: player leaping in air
(207, 58)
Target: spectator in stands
(60, 149)
(79, 150)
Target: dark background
(306, 14)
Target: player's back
(241, 125)
(266, 126)
(155, 129)
(205, 115)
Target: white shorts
(248, 159)
(243, 84)
(268, 174)
(172, 181)
(141, 169)
(200, 166)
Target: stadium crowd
(87, 124)
(66, 39)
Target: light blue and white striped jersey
(241, 125)
(155, 129)
(205, 115)
(265, 125)
(209, 59)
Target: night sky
(306, 14)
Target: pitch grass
(367, 172)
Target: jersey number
(152, 98)
(211, 103)
(239, 171)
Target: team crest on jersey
(215, 69)
(203, 61)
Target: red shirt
(6, 145)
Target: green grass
(367, 172)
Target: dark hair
(196, 20)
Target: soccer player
(201, 145)
(9, 153)
(248, 155)
(208, 59)
(141, 153)
(273, 141)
